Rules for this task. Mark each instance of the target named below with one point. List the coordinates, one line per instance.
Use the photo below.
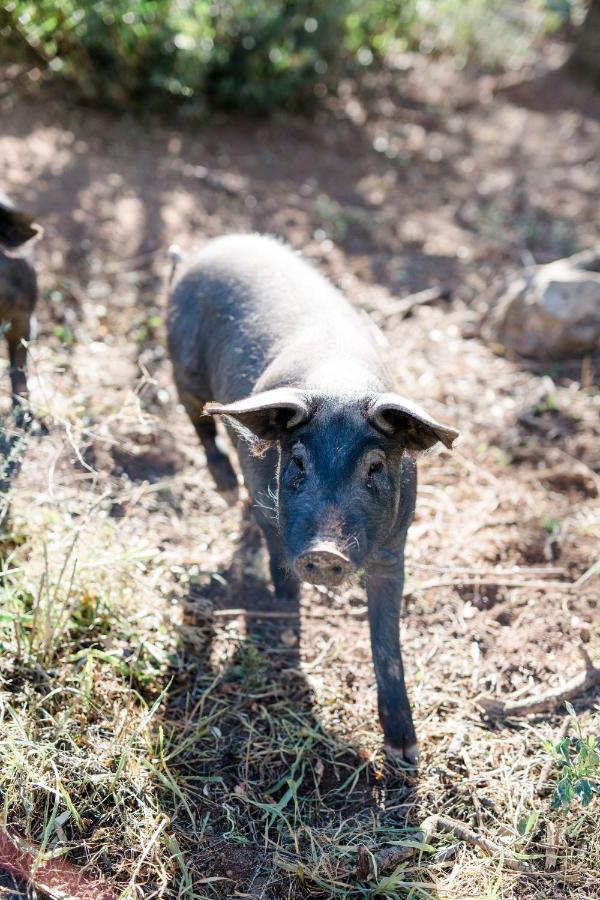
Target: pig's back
(249, 310)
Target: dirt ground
(426, 177)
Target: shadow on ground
(272, 803)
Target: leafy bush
(252, 54)
(578, 761)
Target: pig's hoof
(405, 755)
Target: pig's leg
(261, 481)
(285, 583)
(18, 369)
(17, 352)
(384, 590)
(218, 462)
(287, 586)
(385, 582)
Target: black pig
(324, 443)
(18, 290)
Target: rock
(553, 311)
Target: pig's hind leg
(17, 352)
(219, 464)
(17, 337)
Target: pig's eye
(298, 459)
(374, 463)
(296, 469)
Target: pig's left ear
(415, 429)
(266, 413)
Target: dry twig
(553, 840)
(436, 824)
(548, 701)
(406, 305)
(489, 582)
(386, 860)
(254, 614)
(543, 571)
(356, 612)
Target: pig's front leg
(261, 481)
(287, 586)
(384, 591)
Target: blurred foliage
(255, 54)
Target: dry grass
(189, 753)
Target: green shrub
(252, 54)
(577, 759)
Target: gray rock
(553, 311)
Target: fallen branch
(55, 876)
(543, 571)
(381, 861)
(406, 305)
(548, 701)
(227, 182)
(386, 860)
(490, 582)
(436, 824)
(254, 614)
(593, 570)
(356, 612)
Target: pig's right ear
(266, 414)
(16, 227)
(409, 423)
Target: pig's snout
(324, 564)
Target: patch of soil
(144, 458)
(235, 865)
